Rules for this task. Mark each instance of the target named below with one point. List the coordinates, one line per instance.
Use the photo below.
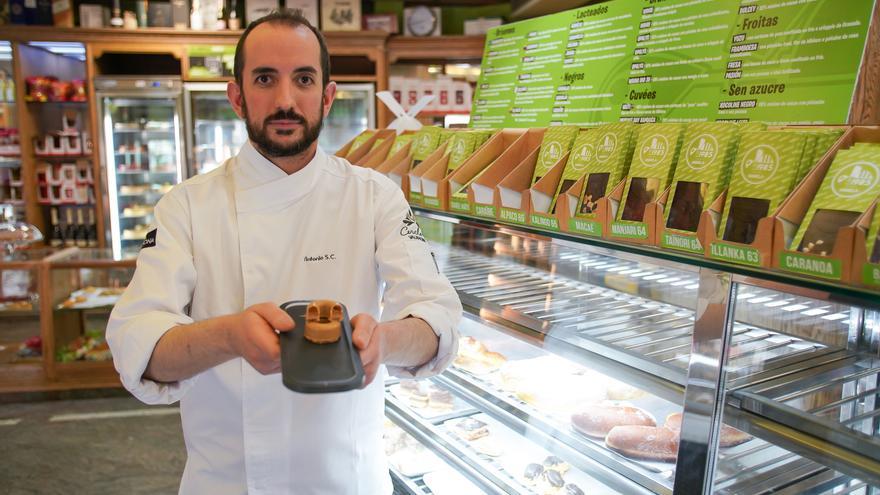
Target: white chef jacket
(247, 233)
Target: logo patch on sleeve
(411, 229)
(150, 239)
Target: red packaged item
(78, 90)
(38, 88)
(60, 90)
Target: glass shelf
(842, 293)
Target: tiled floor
(92, 446)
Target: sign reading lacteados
(675, 61)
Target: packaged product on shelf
(556, 143)
(764, 173)
(605, 159)
(428, 194)
(652, 167)
(426, 141)
(436, 170)
(358, 141)
(701, 175)
(400, 141)
(638, 218)
(851, 184)
(816, 236)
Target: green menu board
(793, 61)
(677, 66)
(601, 39)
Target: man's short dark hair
(287, 17)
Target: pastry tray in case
(311, 368)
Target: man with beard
(280, 221)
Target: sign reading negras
(675, 61)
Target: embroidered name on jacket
(320, 257)
(411, 228)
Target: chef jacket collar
(260, 183)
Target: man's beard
(261, 139)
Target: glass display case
(353, 111)
(591, 367)
(142, 143)
(22, 347)
(214, 132)
(84, 285)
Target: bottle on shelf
(234, 22)
(92, 230)
(57, 237)
(116, 18)
(69, 229)
(220, 23)
(82, 232)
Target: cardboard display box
(701, 176)
(484, 194)
(816, 227)
(363, 144)
(599, 161)
(766, 170)
(640, 206)
(397, 166)
(378, 152)
(354, 143)
(460, 199)
(416, 192)
(435, 179)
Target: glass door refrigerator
(141, 140)
(214, 132)
(353, 111)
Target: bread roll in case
(730, 436)
(649, 443)
(597, 420)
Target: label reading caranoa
(682, 242)
(742, 255)
(629, 230)
(586, 227)
(462, 205)
(871, 274)
(431, 201)
(486, 211)
(513, 216)
(544, 222)
(811, 265)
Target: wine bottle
(116, 20)
(69, 229)
(57, 238)
(82, 234)
(234, 22)
(92, 231)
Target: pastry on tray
(650, 443)
(470, 429)
(596, 420)
(323, 322)
(475, 358)
(730, 436)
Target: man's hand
(252, 335)
(409, 342)
(368, 338)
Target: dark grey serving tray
(311, 368)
